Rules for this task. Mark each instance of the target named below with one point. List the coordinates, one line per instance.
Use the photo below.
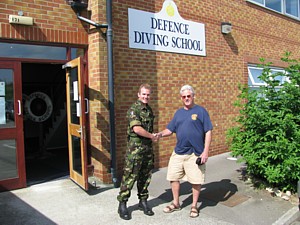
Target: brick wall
(54, 21)
(257, 32)
(98, 91)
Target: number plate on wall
(21, 20)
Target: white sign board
(20, 20)
(165, 31)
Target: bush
(267, 134)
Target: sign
(2, 88)
(2, 111)
(20, 20)
(165, 31)
(38, 107)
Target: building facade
(70, 70)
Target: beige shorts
(184, 167)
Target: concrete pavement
(225, 199)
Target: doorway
(45, 122)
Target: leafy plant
(267, 134)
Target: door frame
(17, 131)
(77, 130)
(10, 184)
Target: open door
(12, 159)
(77, 107)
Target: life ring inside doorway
(38, 107)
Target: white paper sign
(75, 91)
(2, 88)
(165, 31)
(78, 110)
(2, 111)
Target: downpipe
(111, 93)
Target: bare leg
(196, 193)
(174, 206)
(175, 185)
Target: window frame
(283, 8)
(70, 51)
(255, 85)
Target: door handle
(19, 110)
(80, 132)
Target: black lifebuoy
(24, 100)
(38, 107)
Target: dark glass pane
(76, 52)
(274, 4)
(279, 77)
(32, 51)
(255, 73)
(8, 159)
(292, 7)
(77, 166)
(7, 111)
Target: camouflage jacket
(139, 115)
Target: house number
(20, 20)
(14, 20)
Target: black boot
(123, 211)
(144, 206)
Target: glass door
(12, 159)
(76, 112)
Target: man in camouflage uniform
(139, 159)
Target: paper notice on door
(78, 109)
(2, 111)
(2, 88)
(75, 91)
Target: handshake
(156, 136)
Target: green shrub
(267, 134)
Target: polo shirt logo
(194, 116)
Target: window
(254, 72)
(30, 51)
(287, 7)
(292, 7)
(274, 4)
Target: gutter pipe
(111, 93)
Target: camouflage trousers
(139, 162)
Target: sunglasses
(185, 96)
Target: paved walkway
(225, 199)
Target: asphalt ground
(225, 199)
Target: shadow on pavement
(14, 211)
(97, 190)
(223, 191)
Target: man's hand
(155, 137)
(204, 157)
